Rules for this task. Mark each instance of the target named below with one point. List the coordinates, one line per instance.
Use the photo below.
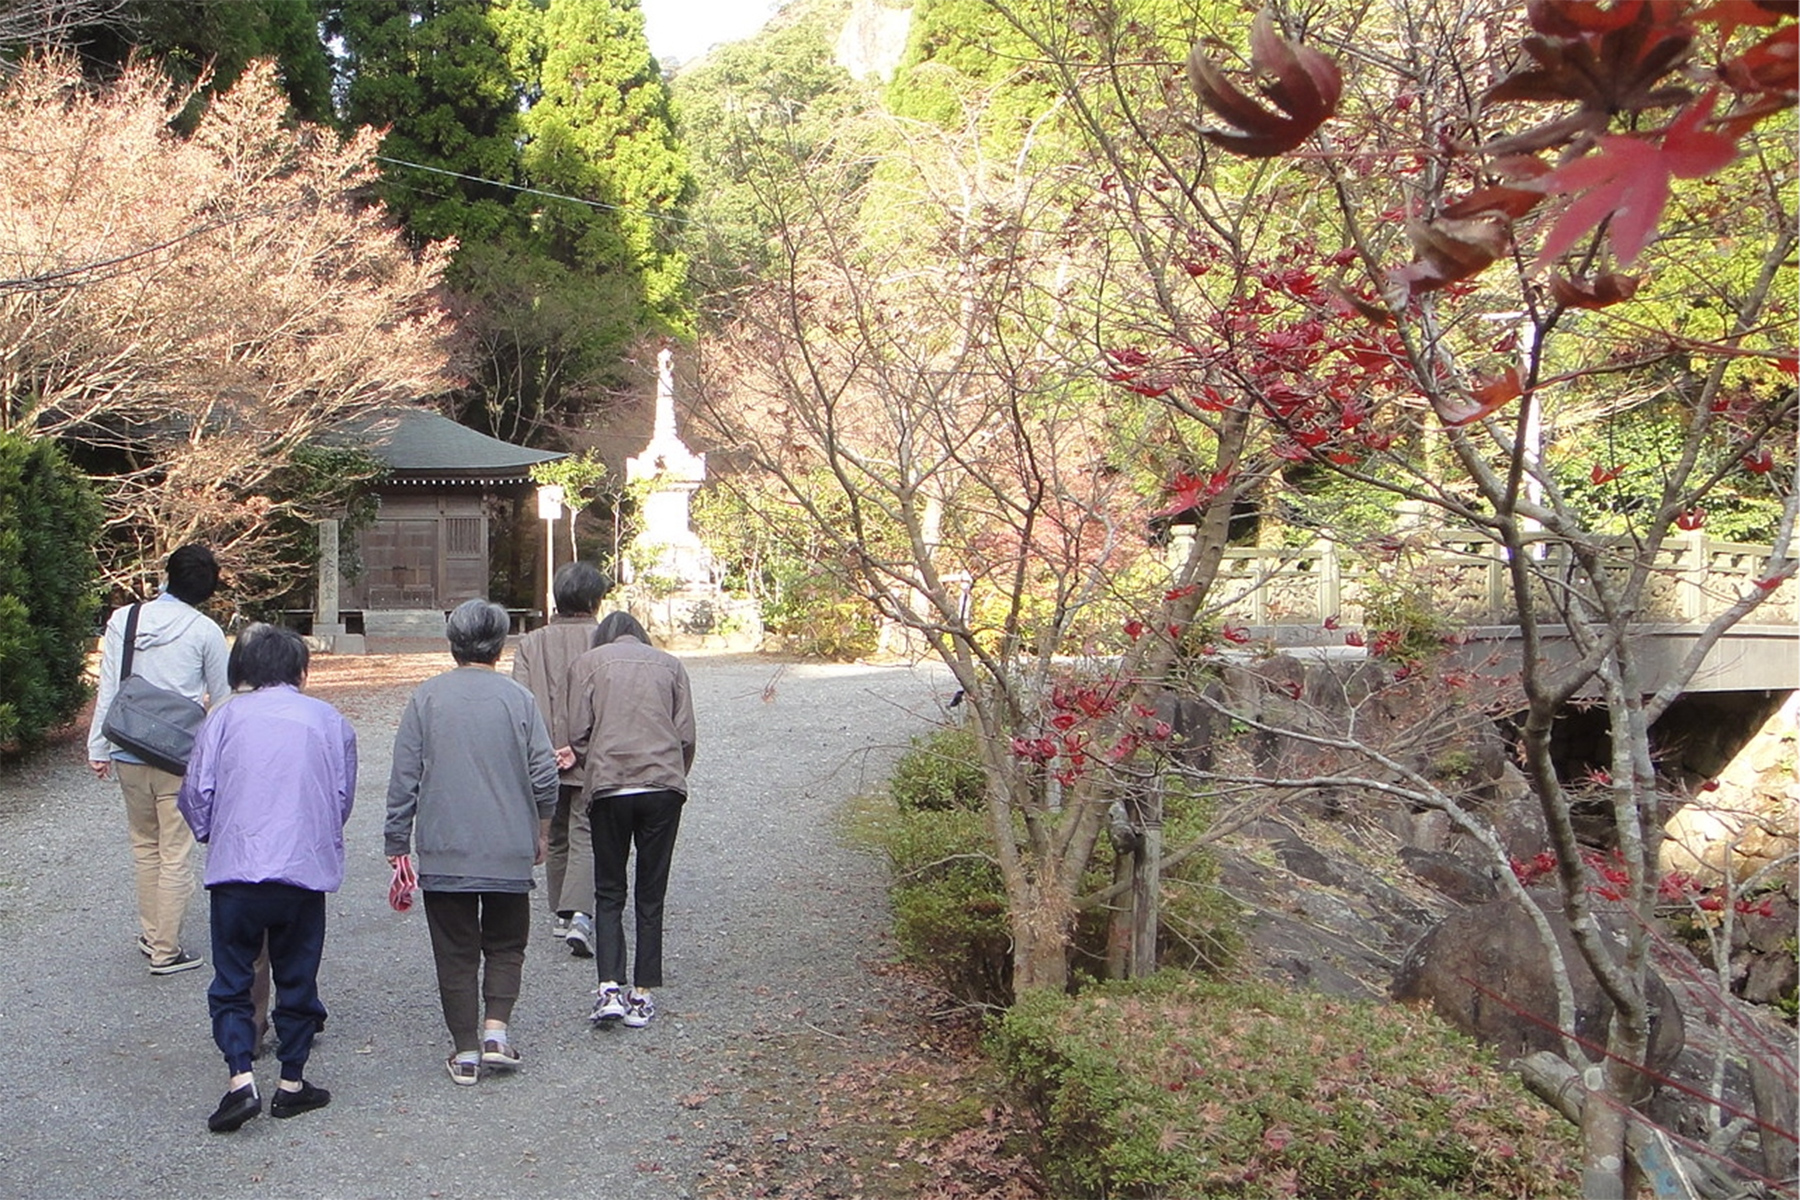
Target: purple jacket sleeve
(195, 799)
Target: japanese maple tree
(1560, 221)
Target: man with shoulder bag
(179, 649)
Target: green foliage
(49, 518)
(600, 128)
(762, 120)
(545, 338)
(940, 771)
(190, 38)
(1613, 470)
(545, 144)
(1408, 623)
(442, 82)
(771, 551)
(320, 480)
(1181, 1087)
(949, 902)
(958, 48)
(819, 615)
(1315, 503)
(579, 476)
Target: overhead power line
(531, 191)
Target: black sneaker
(292, 1104)
(183, 961)
(237, 1107)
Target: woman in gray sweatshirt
(473, 789)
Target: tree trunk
(1602, 1142)
(1146, 892)
(1562, 1086)
(1040, 949)
(1121, 915)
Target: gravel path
(771, 921)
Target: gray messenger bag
(150, 722)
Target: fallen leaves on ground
(922, 1121)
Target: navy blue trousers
(648, 822)
(293, 921)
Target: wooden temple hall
(427, 551)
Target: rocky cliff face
(874, 37)
(1344, 894)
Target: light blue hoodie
(178, 647)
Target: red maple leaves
(1628, 181)
(1303, 84)
(1192, 491)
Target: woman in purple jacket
(269, 787)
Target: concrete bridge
(1287, 595)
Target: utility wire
(531, 191)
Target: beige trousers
(161, 844)
(569, 863)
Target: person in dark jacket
(473, 788)
(268, 789)
(631, 727)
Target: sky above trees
(680, 31)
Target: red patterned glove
(406, 881)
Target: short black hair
(616, 625)
(266, 655)
(477, 631)
(578, 588)
(193, 574)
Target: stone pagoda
(672, 585)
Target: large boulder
(1485, 970)
(1744, 824)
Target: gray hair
(265, 655)
(477, 631)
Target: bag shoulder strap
(131, 621)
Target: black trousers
(292, 919)
(648, 822)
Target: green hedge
(1180, 1087)
(49, 517)
(949, 903)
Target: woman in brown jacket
(631, 727)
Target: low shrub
(940, 770)
(1181, 1087)
(948, 899)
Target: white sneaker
(609, 1005)
(559, 929)
(639, 1008)
(580, 935)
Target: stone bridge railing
(1466, 581)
